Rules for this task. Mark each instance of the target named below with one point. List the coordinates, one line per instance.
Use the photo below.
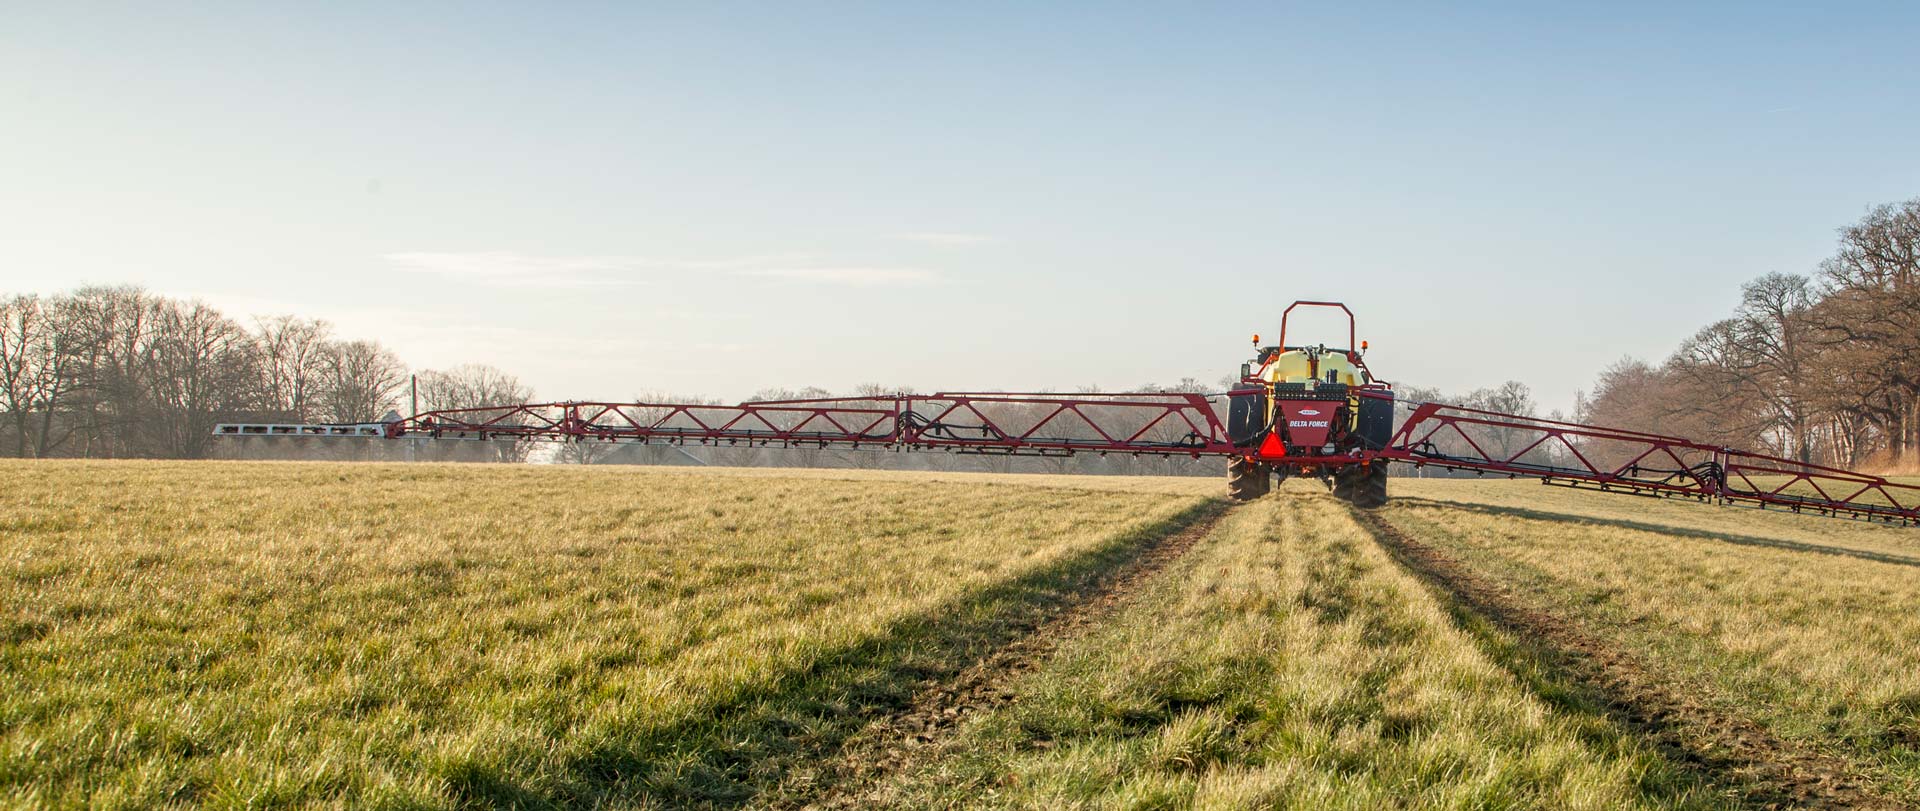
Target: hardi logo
(1308, 412)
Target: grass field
(252, 635)
(1288, 664)
(1809, 626)
(262, 635)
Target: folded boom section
(1615, 460)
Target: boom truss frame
(973, 422)
(1617, 460)
(1177, 424)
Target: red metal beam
(1023, 423)
(1018, 423)
(1616, 460)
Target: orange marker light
(1256, 337)
(1363, 346)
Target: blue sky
(715, 198)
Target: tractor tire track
(890, 744)
(1729, 751)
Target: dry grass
(1287, 662)
(1881, 465)
(1166, 485)
(251, 635)
(1810, 626)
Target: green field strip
(747, 745)
(1817, 643)
(308, 635)
(1286, 661)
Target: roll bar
(1352, 344)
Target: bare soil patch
(1728, 750)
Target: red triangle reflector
(1272, 446)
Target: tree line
(122, 372)
(1822, 367)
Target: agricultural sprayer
(1298, 410)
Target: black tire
(1246, 480)
(1370, 487)
(1344, 480)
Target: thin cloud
(849, 277)
(947, 238)
(505, 269)
(726, 263)
(514, 270)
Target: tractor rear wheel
(1370, 487)
(1246, 480)
(1345, 482)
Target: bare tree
(1870, 318)
(880, 392)
(1470, 441)
(1713, 373)
(1186, 385)
(35, 370)
(805, 393)
(201, 367)
(1755, 367)
(1776, 335)
(478, 386)
(470, 386)
(294, 356)
(1512, 397)
(111, 332)
(359, 381)
(117, 371)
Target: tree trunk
(1913, 428)
(1897, 432)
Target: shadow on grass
(1664, 529)
(1566, 680)
(749, 744)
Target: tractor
(1310, 410)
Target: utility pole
(413, 408)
